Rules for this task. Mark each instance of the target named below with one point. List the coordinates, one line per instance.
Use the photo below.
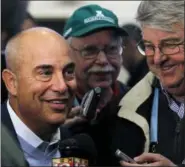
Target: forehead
(101, 37)
(155, 35)
(53, 53)
(54, 60)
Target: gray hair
(161, 14)
(11, 52)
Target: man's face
(97, 69)
(45, 84)
(168, 66)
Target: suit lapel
(7, 122)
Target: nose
(158, 57)
(59, 84)
(102, 58)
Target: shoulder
(4, 112)
(3, 105)
(9, 145)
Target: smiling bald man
(41, 83)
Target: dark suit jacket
(11, 154)
(7, 123)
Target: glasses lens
(90, 52)
(113, 50)
(170, 49)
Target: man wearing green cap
(97, 41)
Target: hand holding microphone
(74, 117)
(123, 157)
(92, 103)
(87, 109)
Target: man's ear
(10, 81)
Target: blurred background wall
(53, 14)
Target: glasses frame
(160, 49)
(100, 49)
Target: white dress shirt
(36, 151)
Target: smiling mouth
(57, 104)
(169, 68)
(56, 101)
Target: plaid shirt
(174, 106)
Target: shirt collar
(26, 133)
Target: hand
(105, 97)
(75, 111)
(150, 159)
(74, 118)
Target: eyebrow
(144, 40)
(172, 39)
(166, 40)
(70, 65)
(43, 66)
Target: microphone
(123, 156)
(78, 151)
(90, 102)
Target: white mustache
(101, 69)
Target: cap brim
(92, 28)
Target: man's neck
(177, 92)
(43, 131)
(47, 135)
(181, 97)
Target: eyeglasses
(91, 52)
(166, 48)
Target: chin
(172, 83)
(57, 119)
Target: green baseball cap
(90, 18)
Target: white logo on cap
(99, 13)
(99, 16)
